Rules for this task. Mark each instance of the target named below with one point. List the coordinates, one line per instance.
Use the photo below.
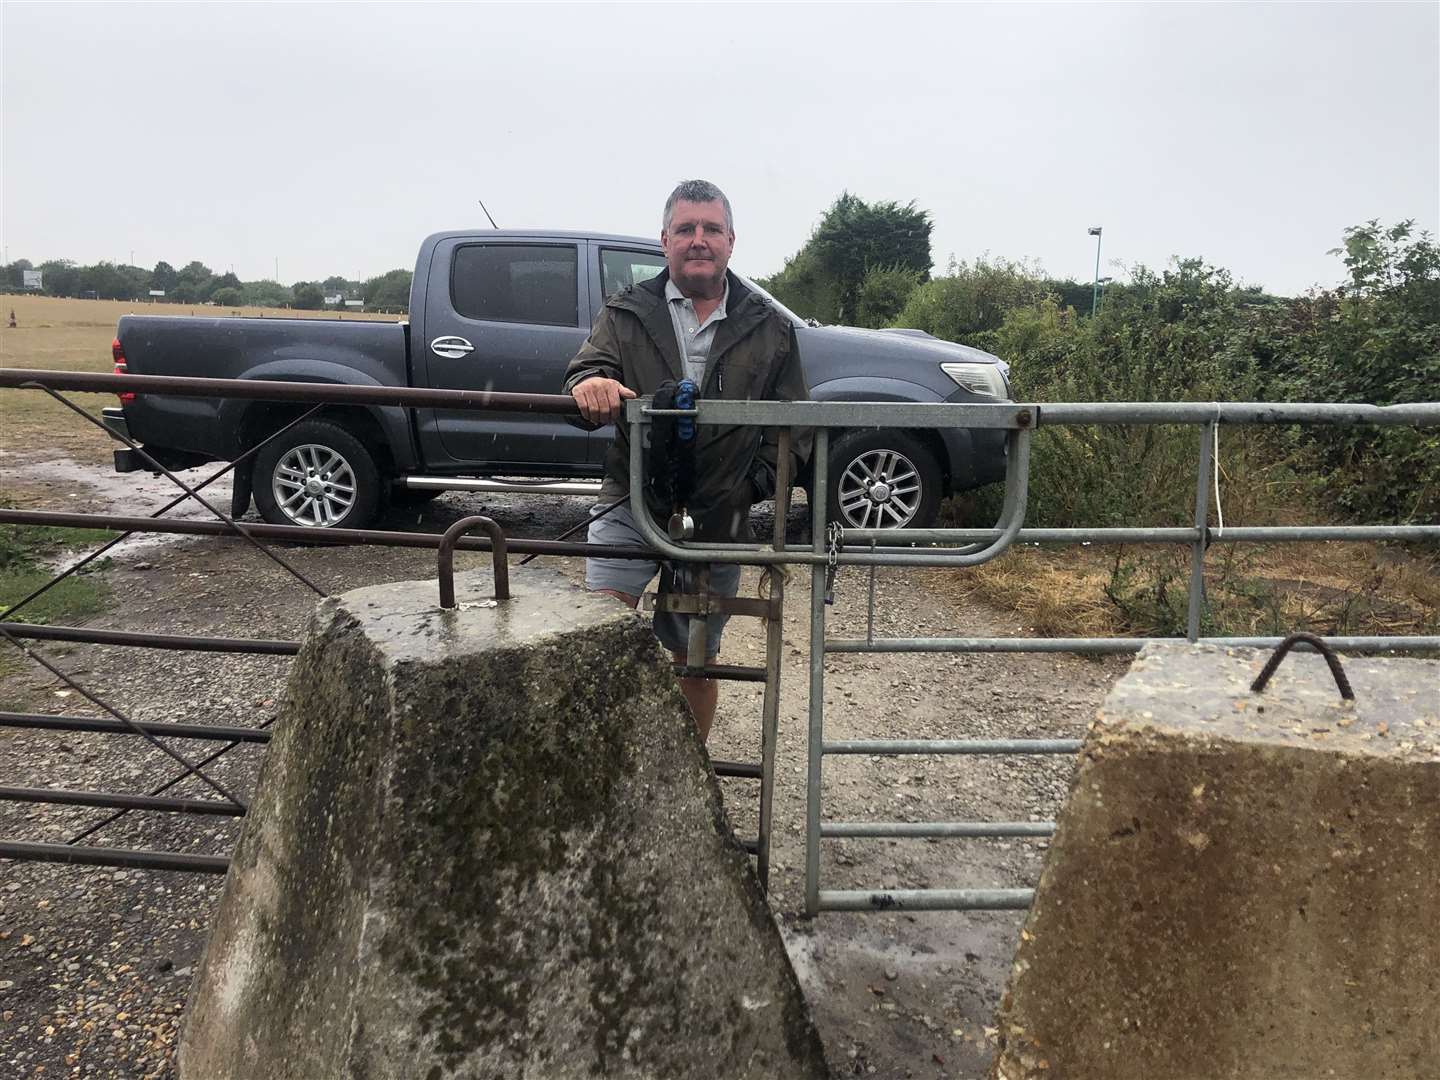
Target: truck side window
(521, 283)
(621, 268)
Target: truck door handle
(451, 347)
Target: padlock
(681, 526)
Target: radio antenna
(487, 214)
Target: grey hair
(697, 191)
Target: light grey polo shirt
(694, 337)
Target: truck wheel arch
(873, 388)
(391, 423)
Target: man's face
(697, 247)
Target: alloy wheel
(880, 489)
(313, 485)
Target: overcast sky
(334, 137)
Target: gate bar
(925, 899)
(381, 537)
(870, 829)
(44, 722)
(1399, 643)
(131, 858)
(92, 636)
(277, 390)
(1195, 602)
(815, 738)
(952, 746)
(1244, 534)
(114, 799)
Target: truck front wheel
(317, 475)
(883, 480)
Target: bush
(1375, 340)
(805, 288)
(971, 300)
(883, 294)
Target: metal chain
(835, 538)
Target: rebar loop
(1321, 647)
(497, 551)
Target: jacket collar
(744, 311)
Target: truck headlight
(977, 378)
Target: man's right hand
(600, 399)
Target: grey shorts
(632, 576)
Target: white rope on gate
(1215, 465)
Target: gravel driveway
(95, 963)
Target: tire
(882, 480)
(339, 470)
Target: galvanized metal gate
(829, 551)
(835, 547)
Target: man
(696, 320)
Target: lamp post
(1095, 231)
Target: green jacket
(754, 357)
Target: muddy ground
(95, 963)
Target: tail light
(118, 352)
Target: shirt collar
(672, 292)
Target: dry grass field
(55, 333)
(1254, 590)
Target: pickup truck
(505, 311)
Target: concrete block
(1241, 886)
(487, 843)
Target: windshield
(783, 309)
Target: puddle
(71, 485)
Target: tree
(135, 282)
(61, 277)
(107, 281)
(195, 272)
(388, 292)
(164, 277)
(265, 294)
(227, 280)
(13, 275)
(308, 296)
(193, 283)
(803, 286)
(855, 236)
(228, 296)
(1073, 294)
(823, 279)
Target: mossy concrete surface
(488, 843)
(1241, 885)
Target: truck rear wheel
(318, 475)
